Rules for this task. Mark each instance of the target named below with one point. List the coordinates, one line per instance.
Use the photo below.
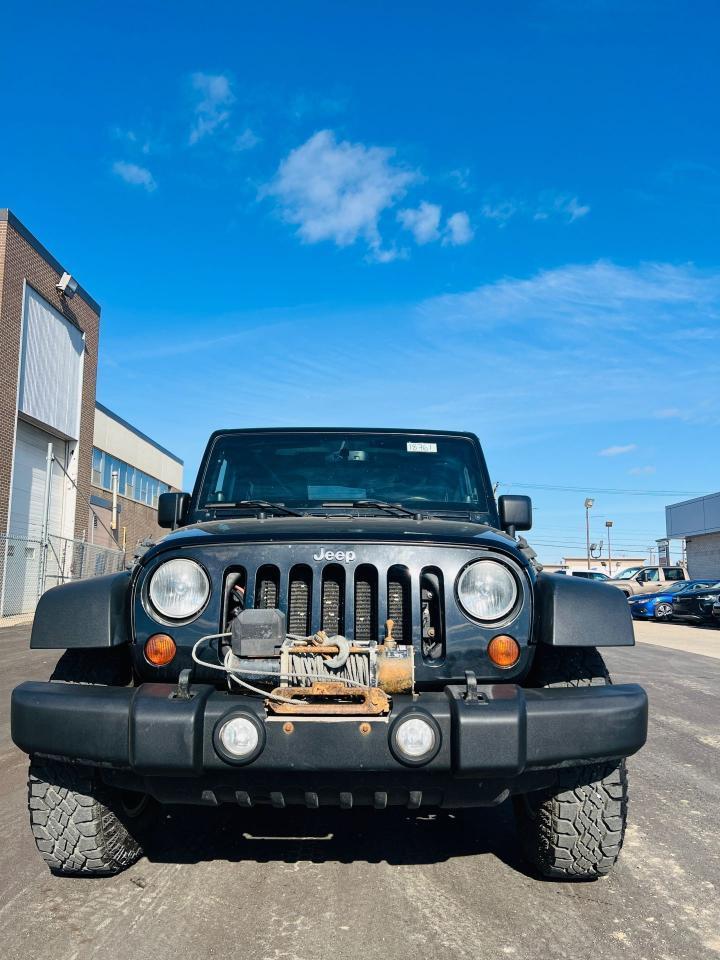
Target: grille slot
(299, 601)
(399, 603)
(333, 606)
(366, 586)
(267, 587)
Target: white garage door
(28, 483)
(23, 559)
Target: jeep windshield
(331, 471)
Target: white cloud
(134, 174)
(617, 451)
(573, 333)
(213, 98)
(460, 178)
(587, 301)
(641, 471)
(549, 204)
(501, 210)
(563, 205)
(423, 222)
(338, 191)
(245, 141)
(457, 230)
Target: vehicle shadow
(396, 836)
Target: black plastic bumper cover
(505, 732)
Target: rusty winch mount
(330, 698)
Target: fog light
(160, 649)
(415, 739)
(238, 738)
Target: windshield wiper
(261, 504)
(378, 504)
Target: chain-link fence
(29, 567)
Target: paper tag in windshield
(416, 447)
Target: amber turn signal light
(504, 651)
(160, 649)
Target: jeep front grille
(353, 601)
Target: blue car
(658, 606)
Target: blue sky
(496, 217)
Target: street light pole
(608, 524)
(588, 504)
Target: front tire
(663, 611)
(575, 829)
(82, 827)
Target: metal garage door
(29, 473)
(24, 550)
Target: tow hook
(472, 695)
(183, 686)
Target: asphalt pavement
(305, 885)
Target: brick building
(48, 365)
(50, 328)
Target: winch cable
(293, 674)
(228, 673)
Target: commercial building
(568, 564)
(129, 472)
(49, 428)
(697, 521)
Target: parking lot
(302, 885)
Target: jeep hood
(333, 529)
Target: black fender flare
(84, 614)
(574, 612)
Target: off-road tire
(80, 826)
(574, 830)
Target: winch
(320, 673)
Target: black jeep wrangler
(339, 617)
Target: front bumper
(509, 739)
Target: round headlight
(487, 590)
(179, 589)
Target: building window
(97, 459)
(133, 484)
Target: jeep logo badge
(344, 556)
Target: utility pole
(50, 459)
(588, 504)
(114, 483)
(608, 525)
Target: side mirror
(172, 509)
(515, 513)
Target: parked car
(658, 606)
(697, 607)
(634, 580)
(586, 574)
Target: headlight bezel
(511, 612)
(159, 615)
